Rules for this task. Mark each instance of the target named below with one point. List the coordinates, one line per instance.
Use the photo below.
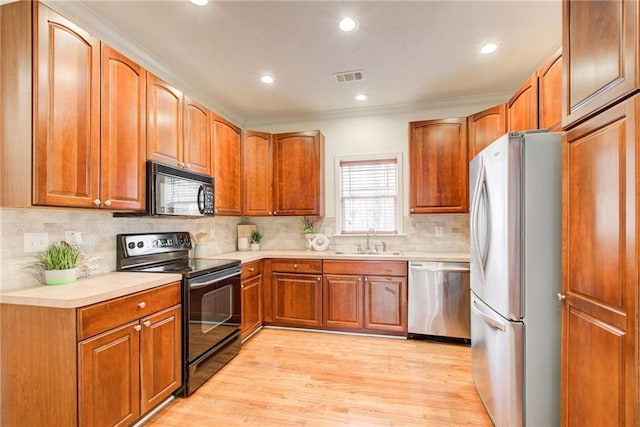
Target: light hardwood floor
(299, 378)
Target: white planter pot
(60, 277)
(255, 246)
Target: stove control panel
(155, 243)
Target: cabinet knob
(252, 269)
(295, 265)
(561, 297)
(96, 202)
(412, 209)
(147, 323)
(137, 328)
(107, 203)
(275, 213)
(366, 279)
(142, 304)
(318, 278)
(181, 164)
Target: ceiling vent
(348, 76)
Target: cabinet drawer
(251, 269)
(297, 265)
(377, 268)
(103, 316)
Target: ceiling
(414, 54)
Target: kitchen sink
(391, 253)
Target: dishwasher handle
(437, 266)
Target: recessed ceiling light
(200, 2)
(488, 48)
(348, 24)
(361, 97)
(266, 79)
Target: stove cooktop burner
(190, 267)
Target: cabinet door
(550, 93)
(67, 112)
(196, 149)
(297, 299)
(343, 301)
(597, 70)
(522, 108)
(385, 308)
(109, 377)
(164, 122)
(257, 174)
(298, 173)
(485, 127)
(439, 166)
(251, 305)
(123, 132)
(160, 357)
(227, 166)
(600, 269)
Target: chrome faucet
(368, 246)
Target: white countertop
(249, 256)
(87, 291)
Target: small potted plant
(309, 224)
(59, 262)
(256, 236)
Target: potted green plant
(59, 262)
(256, 237)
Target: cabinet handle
(561, 297)
(96, 202)
(252, 269)
(107, 203)
(147, 323)
(142, 304)
(137, 328)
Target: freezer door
(495, 225)
(497, 363)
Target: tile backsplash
(421, 232)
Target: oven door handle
(210, 282)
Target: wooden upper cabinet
(550, 93)
(257, 174)
(485, 127)
(66, 113)
(196, 148)
(438, 165)
(298, 173)
(123, 132)
(597, 70)
(522, 108)
(227, 166)
(164, 122)
(601, 224)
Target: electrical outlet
(35, 242)
(439, 231)
(74, 238)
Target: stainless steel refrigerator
(515, 233)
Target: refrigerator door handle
(489, 320)
(479, 195)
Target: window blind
(369, 195)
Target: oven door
(213, 312)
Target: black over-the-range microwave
(172, 191)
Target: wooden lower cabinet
(109, 378)
(385, 304)
(600, 344)
(251, 298)
(104, 364)
(298, 299)
(365, 296)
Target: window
(368, 194)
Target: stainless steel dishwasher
(439, 300)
